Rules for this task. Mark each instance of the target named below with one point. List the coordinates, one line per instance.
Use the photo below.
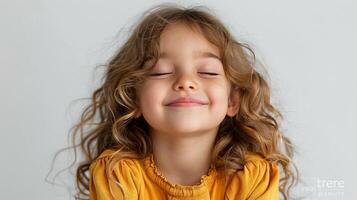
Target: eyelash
(209, 73)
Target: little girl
(183, 114)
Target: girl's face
(189, 67)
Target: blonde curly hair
(111, 113)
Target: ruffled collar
(178, 190)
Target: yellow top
(140, 179)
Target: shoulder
(259, 178)
(126, 172)
(260, 165)
(106, 156)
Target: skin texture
(183, 137)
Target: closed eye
(158, 74)
(209, 73)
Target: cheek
(151, 94)
(218, 94)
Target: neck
(183, 160)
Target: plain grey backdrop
(49, 50)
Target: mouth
(185, 104)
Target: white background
(49, 51)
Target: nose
(185, 81)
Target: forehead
(195, 55)
(179, 40)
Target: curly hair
(113, 107)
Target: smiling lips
(186, 101)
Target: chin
(185, 127)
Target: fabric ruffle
(178, 190)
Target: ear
(137, 112)
(233, 102)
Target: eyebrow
(198, 54)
